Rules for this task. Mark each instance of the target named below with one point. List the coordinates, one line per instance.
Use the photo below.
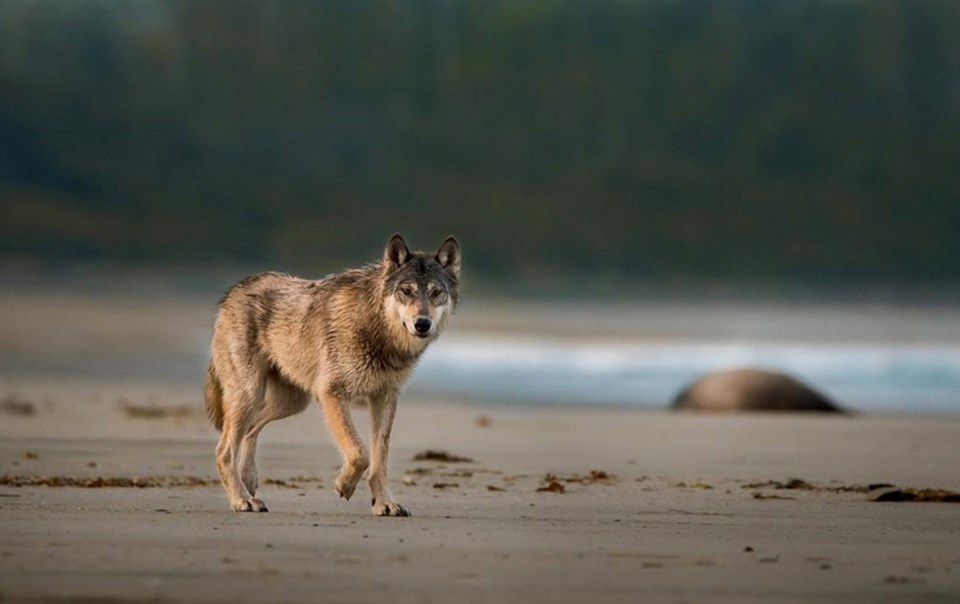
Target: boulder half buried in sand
(751, 390)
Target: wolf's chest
(377, 357)
(368, 373)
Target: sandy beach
(109, 489)
(661, 507)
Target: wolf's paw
(388, 508)
(348, 479)
(350, 474)
(251, 504)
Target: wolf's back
(213, 396)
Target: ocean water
(864, 356)
(866, 376)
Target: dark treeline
(740, 140)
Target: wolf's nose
(422, 325)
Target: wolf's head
(422, 290)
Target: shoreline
(864, 357)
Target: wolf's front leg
(382, 412)
(336, 410)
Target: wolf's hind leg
(282, 399)
(248, 462)
(336, 411)
(239, 405)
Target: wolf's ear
(449, 256)
(396, 252)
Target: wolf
(357, 335)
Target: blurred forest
(593, 139)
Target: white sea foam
(649, 374)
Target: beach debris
(552, 485)
(878, 491)
(910, 494)
(155, 411)
(13, 405)
(30, 455)
(482, 421)
(442, 456)
(900, 580)
(101, 482)
(790, 483)
(934, 495)
(798, 484)
(694, 485)
(654, 560)
(279, 483)
(304, 478)
(759, 495)
(409, 480)
(748, 549)
(294, 482)
(590, 477)
(491, 487)
(446, 485)
(751, 390)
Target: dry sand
(675, 521)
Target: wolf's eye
(436, 294)
(406, 290)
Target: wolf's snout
(422, 326)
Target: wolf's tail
(213, 395)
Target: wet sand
(654, 506)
